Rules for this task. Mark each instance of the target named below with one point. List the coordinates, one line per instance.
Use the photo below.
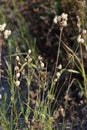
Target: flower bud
(63, 23)
(2, 27)
(40, 57)
(18, 75)
(42, 64)
(58, 74)
(17, 83)
(79, 39)
(64, 16)
(55, 20)
(60, 66)
(16, 68)
(29, 51)
(18, 58)
(7, 33)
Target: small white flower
(25, 59)
(42, 64)
(63, 23)
(17, 83)
(17, 58)
(62, 20)
(29, 51)
(55, 80)
(2, 27)
(79, 39)
(55, 20)
(16, 68)
(40, 57)
(7, 33)
(62, 112)
(60, 66)
(58, 74)
(18, 75)
(0, 96)
(64, 16)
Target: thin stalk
(81, 53)
(0, 57)
(83, 72)
(57, 59)
(58, 51)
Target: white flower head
(80, 39)
(62, 112)
(55, 20)
(55, 80)
(63, 23)
(17, 83)
(60, 66)
(40, 57)
(16, 68)
(29, 51)
(42, 64)
(62, 20)
(18, 75)
(58, 74)
(64, 16)
(17, 58)
(7, 33)
(2, 27)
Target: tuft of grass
(35, 92)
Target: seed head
(2, 27)
(17, 58)
(80, 39)
(17, 83)
(18, 75)
(55, 80)
(62, 112)
(55, 20)
(40, 57)
(29, 51)
(7, 33)
(58, 74)
(60, 66)
(62, 20)
(42, 64)
(63, 23)
(64, 16)
(16, 68)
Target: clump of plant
(44, 90)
